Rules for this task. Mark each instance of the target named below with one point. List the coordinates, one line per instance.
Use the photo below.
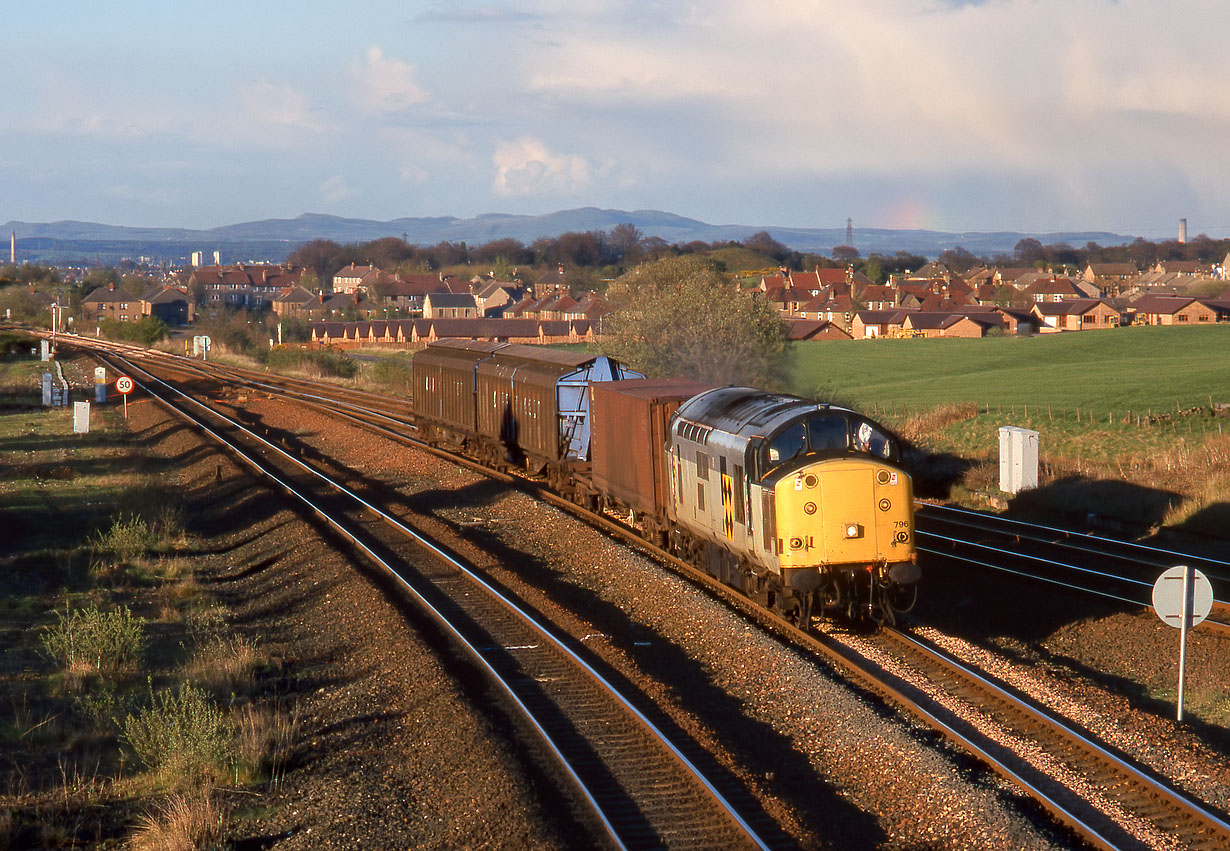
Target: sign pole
(1183, 625)
(1182, 597)
(123, 386)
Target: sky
(1021, 115)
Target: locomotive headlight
(853, 530)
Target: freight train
(802, 506)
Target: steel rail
(1036, 558)
(1132, 601)
(862, 672)
(1071, 535)
(442, 618)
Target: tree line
(607, 254)
(594, 257)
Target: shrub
(392, 374)
(101, 707)
(184, 822)
(128, 537)
(181, 736)
(147, 331)
(91, 640)
(319, 362)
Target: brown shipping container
(444, 381)
(630, 423)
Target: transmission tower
(850, 232)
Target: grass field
(1138, 369)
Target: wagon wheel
(803, 612)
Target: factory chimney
(13, 247)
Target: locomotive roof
(747, 411)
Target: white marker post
(1182, 597)
(123, 386)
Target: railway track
(1099, 793)
(1121, 571)
(645, 785)
(1104, 795)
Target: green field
(1127, 369)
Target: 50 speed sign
(123, 384)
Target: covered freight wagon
(444, 383)
(535, 402)
(510, 403)
(631, 424)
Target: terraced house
(242, 285)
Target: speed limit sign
(123, 384)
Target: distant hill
(274, 239)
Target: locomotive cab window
(871, 439)
(828, 433)
(825, 434)
(786, 444)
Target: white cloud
(527, 167)
(281, 105)
(413, 173)
(385, 84)
(335, 189)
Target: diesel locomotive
(802, 506)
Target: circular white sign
(123, 384)
(1168, 596)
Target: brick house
(169, 304)
(869, 324)
(1054, 289)
(811, 329)
(111, 302)
(297, 303)
(950, 324)
(243, 285)
(352, 277)
(1077, 314)
(1110, 277)
(1171, 310)
(449, 306)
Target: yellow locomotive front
(845, 538)
(843, 512)
(843, 515)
